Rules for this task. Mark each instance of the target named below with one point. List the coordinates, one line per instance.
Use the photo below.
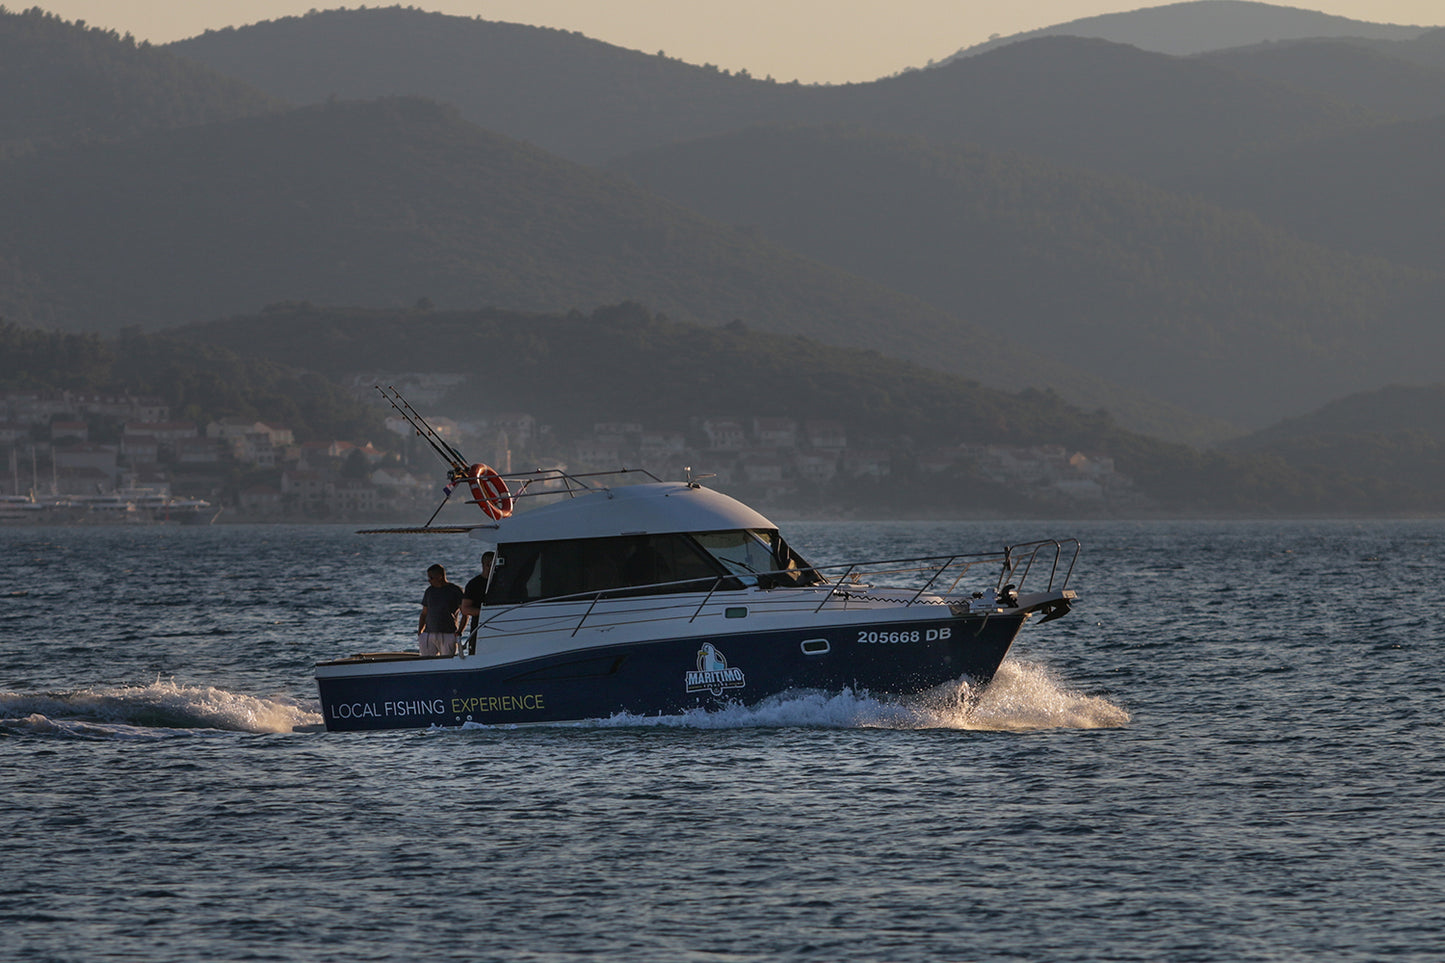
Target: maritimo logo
(712, 673)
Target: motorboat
(15, 508)
(123, 506)
(619, 593)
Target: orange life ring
(489, 490)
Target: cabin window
(549, 570)
(645, 564)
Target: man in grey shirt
(436, 631)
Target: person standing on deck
(473, 594)
(436, 632)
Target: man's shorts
(437, 643)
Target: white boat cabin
(638, 540)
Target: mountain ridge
(393, 203)
(591, 101)
(1199, 26)
(67, 83)
(328, 204)
(1348, 71)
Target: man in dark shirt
(436, 632)
(473, 594)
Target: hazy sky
(827, 41)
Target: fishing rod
(456, 463)
(488, 488)
(444, 449)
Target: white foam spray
(1025, 695)
(149, 711)
(1022, 697)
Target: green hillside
(392, 202)
(1390, 441)
(1083, 102)
(987, 262)
(564, 92)
(1373, 78)
(279, 367)
(1418, 409)
(63, 82)
(1374, 192)
(386, 203)
(1207, 308)
(1093, 104)
(1427, 50)
(199, 382)
(1196, 26)
(637, 366)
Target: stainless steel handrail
(659, 601)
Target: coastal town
(78, 457)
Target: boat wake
(158, 710)
(1026, 696)
(1023, 697)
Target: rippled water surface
(1231, 750)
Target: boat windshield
(742, 553)
(758, 552)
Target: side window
(548, 570)
(516, 576)
(671, 562)
(798, 570)
(683, 561)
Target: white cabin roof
(628, 510)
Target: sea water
(1231, 750)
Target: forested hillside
(1371, 78)
(636, 366)
(988, 202)
(1419, 409)
(1195, 244)
(63, 82)
(1392, 438)
(1135, 284)
(1085, 102)
(1093, 104)
(199, 382)
(663, 373)
(1427, 49)
(1207, 25)
(386, 203)
(564, 92)
(1375, 192)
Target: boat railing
(940, 576)
(543, 482)
(655, 602)
(1041, 566)
(1065, 552)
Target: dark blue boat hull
(670, 676)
